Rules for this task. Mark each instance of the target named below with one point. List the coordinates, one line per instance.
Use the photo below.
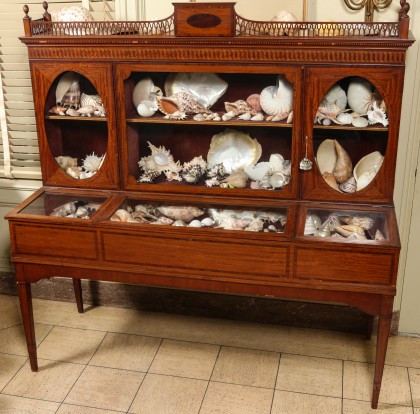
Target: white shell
(146, 108)
(195, 223)
(278, 99)
(360, 122)
(377, 116)
(276, 161)
(258, 171)
(207, 222)
(360, 95)
(365, 179)
(345, 118)
(66, 80)
(370, 162)
(326, 156)
(234, 149)
(92, 163)
(282, 16)
(277, 180)
(336, 95)
(310, 227)
(206, 88)
(142, 91)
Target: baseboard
(253, 309)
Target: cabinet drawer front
(55, 242)
(241, 260)
(344, 266)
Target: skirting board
(252, 309)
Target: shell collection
(343, 227)
(232, 161)
(90, 165)
(71, 101)
(75, 209)
(191, 216)
(337, 169)
(359, 107)
(193, 94)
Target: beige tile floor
(111, 360)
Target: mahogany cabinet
(198, 184)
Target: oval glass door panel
(350, 134)
(76, 125)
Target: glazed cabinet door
(76, 124)
(210, 129)
(352, 117)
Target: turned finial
(26, 11)
(405, 7)
(47, 16)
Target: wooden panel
(344, 266)
(54, 241)
(243, 260)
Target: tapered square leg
(77, 286)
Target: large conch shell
(179, 105)
(343, 166)
(278, 100)
(234, 149)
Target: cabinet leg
(384, 326)
(77, 286)
(369, 329)
(25, 300)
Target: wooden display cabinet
(278, 241)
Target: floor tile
(293, 403)
(70, 345)
(361, 349)
(414, 376)
(185, 359)
(122, 351)
(246, 367)
(9, 365)
(10, 404)
(363, 407)
(403, 351)
(12, 340)
(311, 375)
(417, 411)
(9, 311)
(161, 394)
(322, 343)
(358, 381)
(51, 383)
(78, 409)
(105, 388)
(236, 399)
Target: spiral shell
(278, 99)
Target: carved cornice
(167, 54)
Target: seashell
(237, 179)
(64, 84)
(193, 171)
(377, 116)
(71, 98)
(72, 112)
(326, 156)
(332, 221)
(282, 16)
(258, 171)
(258, 117)
(199, 117)
(345, 118)
(74, 171)
(143, 91)
(216, 174)
(246, 116)
(195, 223)
(146, 108)
(206, 88)
(348, 186)
(82, 212)
(278, 99)
(360, 95)
(239, 107)
(330, 180)
(335, 95)
(121, 215)
(92, 163)
(324, 231)
(277, 180)
(179, 223)
(234, 149)
(343, 166)
(65, 162)
(58, 110)
(360, 122)
(207, 222)
(255, 225)
(349, 229)
(317, 220)
(180, 104)
(185, 214)
(164, 221)
(379, 235)
(86, 110)
(310, 228)
(94, 100)
(326, 122)
(367, 168)
(365, 223)
(253, 102)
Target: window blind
(19, 153)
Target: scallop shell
(360, 95)
(336, 95)
(206, 88)
(348, 186)
(326, 156)
(360, 122)
(234, 149)
(343, 167)
(278, 99)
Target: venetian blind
(19, 154)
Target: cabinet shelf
(352, 128)
(77, 118)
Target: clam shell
(206, 88)
(367, 168)
(360, 95)
(343, 166)
(337, 95)
(234, 149)
(142, 91)
(277, 99)
(326, 157)
(360, 122)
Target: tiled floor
(111, 360)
